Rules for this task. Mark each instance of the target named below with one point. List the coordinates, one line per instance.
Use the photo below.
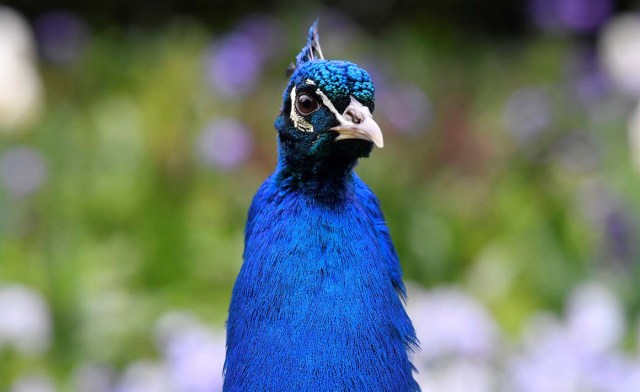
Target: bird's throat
(327, 172)
(322, 180)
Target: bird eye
(306, 104)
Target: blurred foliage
(130, 223)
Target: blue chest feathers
(315, 306)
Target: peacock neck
(327, 179)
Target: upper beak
(357, 123)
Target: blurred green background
(132, 142)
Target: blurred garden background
(133, 136)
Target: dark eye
(306, 104)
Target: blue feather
(318, 303)
(315, 306)
(311, 50)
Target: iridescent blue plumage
(317, 305)
(337, 79)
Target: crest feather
(311, 51)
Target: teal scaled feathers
(338, 79)
(317, 305)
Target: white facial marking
(298, 121)
(327, 102)
(357, 123)
(343, 118)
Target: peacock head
(326, 110)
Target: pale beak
(357, 123)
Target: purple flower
(544, 14)
(22, 171)
(577, 354)
(612, 373)
(406, 107)
(609, 216)
(93, 378)
(527, 113)
(62, 37)
(339, 32)
(233, 65)
(195, 359)
(595, 320)
(584, 15)
(144, 376)
(224, 144)
(589, 83)
(265, 32)
(194, 356)
(576, 15)
(630, 379)
(553, 371)
(26, 321)
(451, 323)
(548, 361)
(458, 375)
(619, 238)
(591, 86)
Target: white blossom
(33, 384)
(194, 355)
(594, 318)
(144, 376)
(620, 51)
(25, 322)
(21, 94)
(448, 321)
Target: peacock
(318, 304)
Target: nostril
(354, 116)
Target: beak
(357, 123)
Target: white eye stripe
(327, 102)
(298, 121)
